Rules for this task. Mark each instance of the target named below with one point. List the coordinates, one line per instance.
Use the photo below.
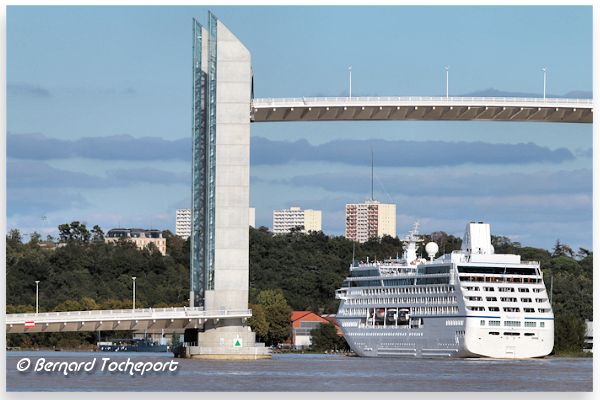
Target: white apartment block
(293, 217)
(369, 220)
(183, 223)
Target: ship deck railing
(514, 279)
(408, 304)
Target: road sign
(237, 342)
(29, 324)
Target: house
(305, 321)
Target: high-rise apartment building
(183, 223)
(293, 217)
(369, 220)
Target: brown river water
(291, 372)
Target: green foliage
(258, 322)
(561, 249)
(277, 315)
(74, 232)
(570, 334)
(325, 338)
(97, 234)
(93, 275)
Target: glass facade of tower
(204, 71)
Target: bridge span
(167, 320)
(422, 109)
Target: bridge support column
(224, 340)
(219, 264)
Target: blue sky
(99, 121)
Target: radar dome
(431, 248)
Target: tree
(325, 338)
(14, 238)
(97, 234)
(583, 253)
(258, 322)
(74, 232)
(277, 314)
(562, 250)
(34, 239)
(570, 334)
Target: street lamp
(446, 68)
(350, 73)
(544, 70)
(37, 297)
(133, 278)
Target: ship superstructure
(470, 303)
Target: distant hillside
(491, 92)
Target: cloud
(118, 147)
(403, 153)
(451, 183)
(585, 153)
(272, 152)
(27, 90)
(149, 175)
(37, 174)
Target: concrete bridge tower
(222, 90)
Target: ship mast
(411, 240)
(372, 197)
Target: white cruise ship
(470, 303)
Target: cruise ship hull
(437, 340)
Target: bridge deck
(422, 108)
(148, 319)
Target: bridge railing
(412, 99)
(143, 313)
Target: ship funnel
(477, 239)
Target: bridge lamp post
(37, 297)
(133, 279)
(350, 73)
(446, 68)
(544, 70)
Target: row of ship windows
(407, 290)
(381, 333)
(508, 309)
(528, 324)
(394, 300)
(512, 333)
(503, 289)
(505, 299)
(413, 310)
(498, 279)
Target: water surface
(308, 372)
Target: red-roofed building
(305, 321)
